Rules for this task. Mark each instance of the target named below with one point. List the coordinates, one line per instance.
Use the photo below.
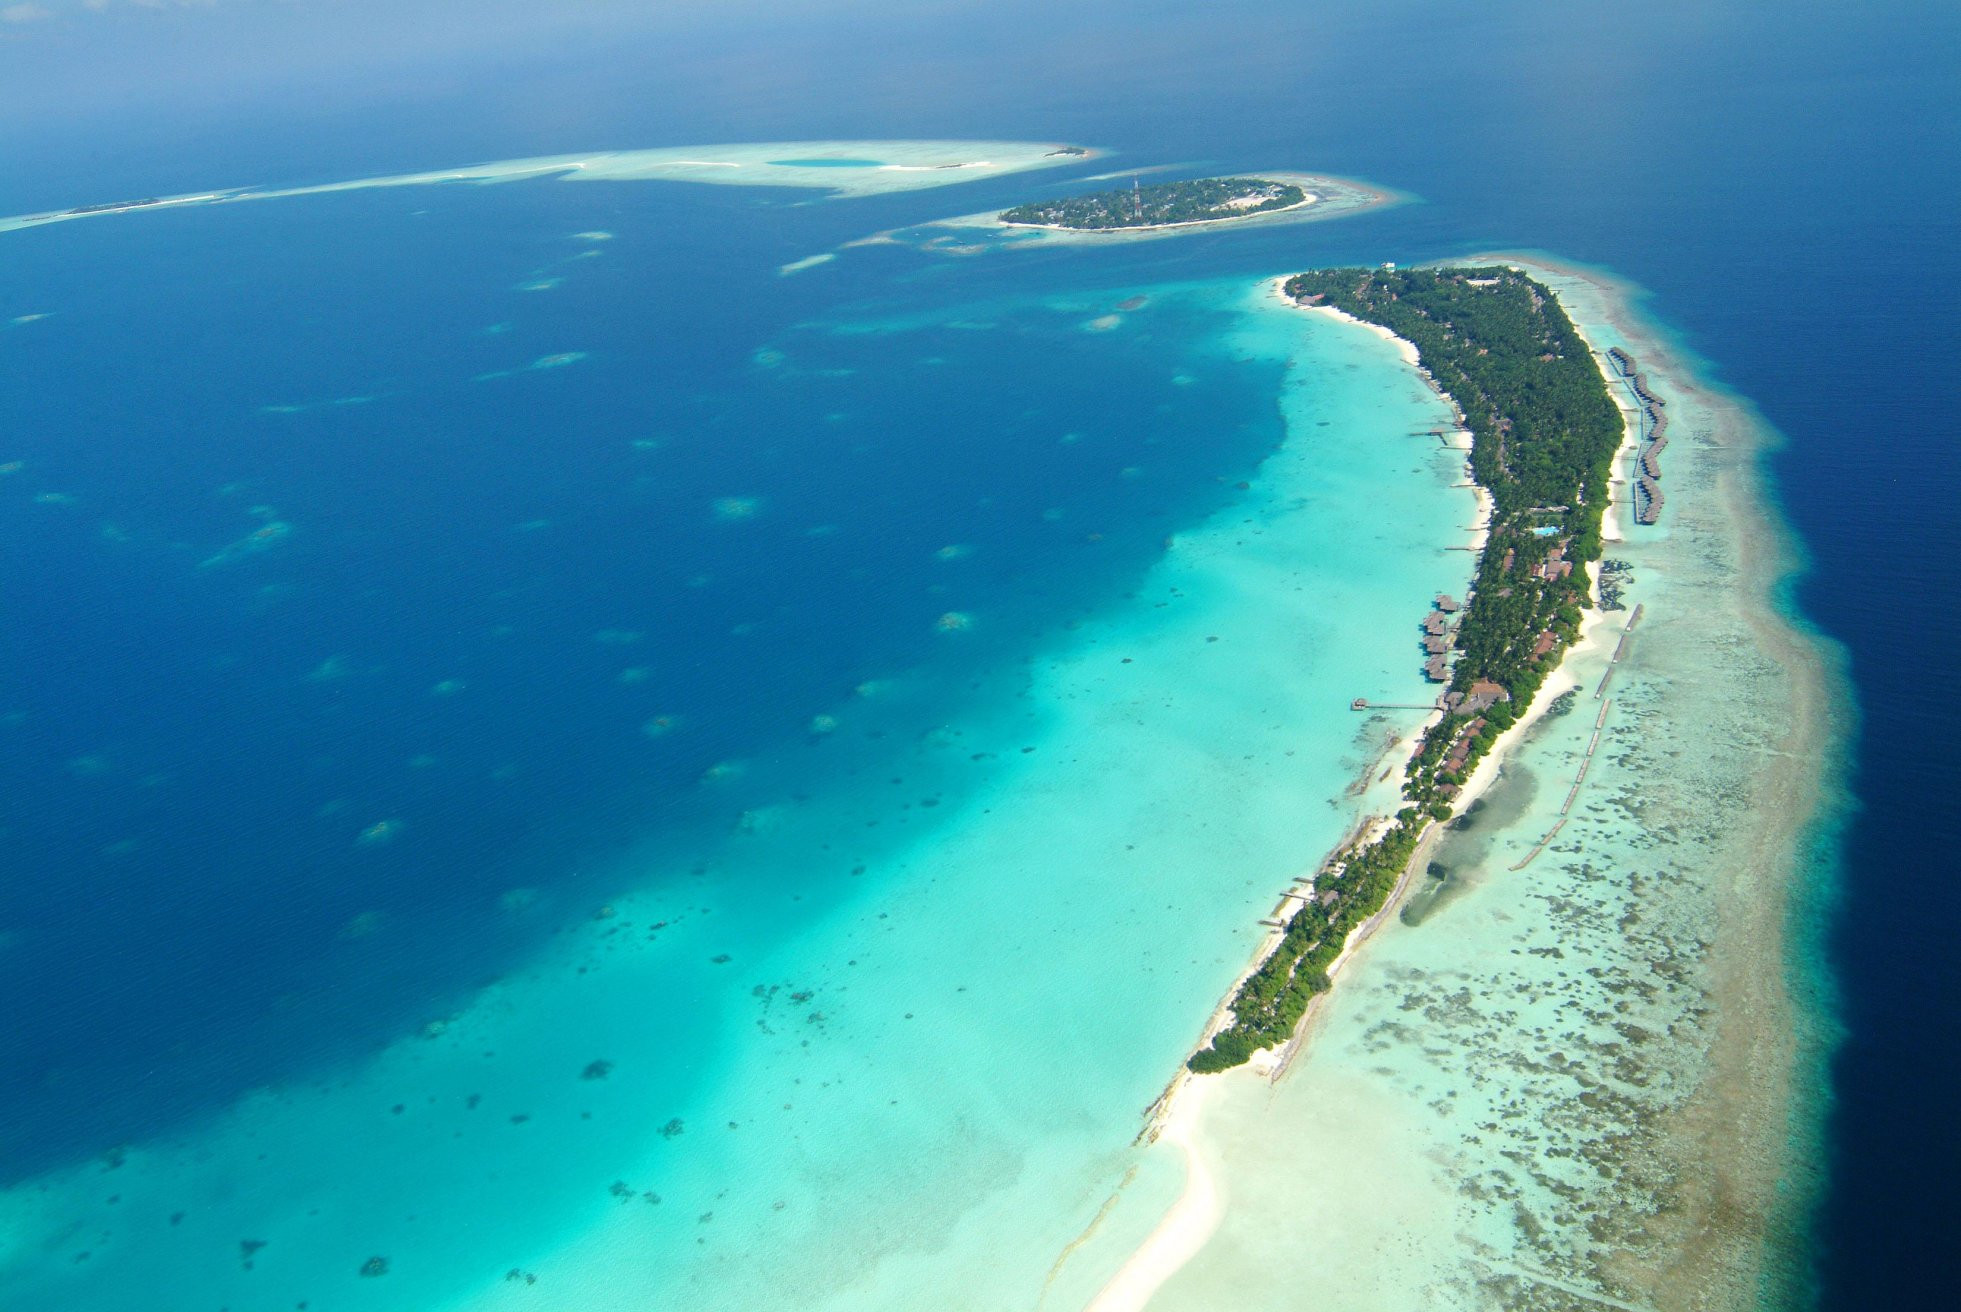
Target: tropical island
(1162, 205)
(1544, 432)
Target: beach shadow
(1462, 855)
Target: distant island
(1162, 205)
(1544, 432)
(123, 206)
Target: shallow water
(848, 960)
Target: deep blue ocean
(472, 613)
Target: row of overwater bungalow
(1648, 498)
(1438, 631)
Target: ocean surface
(700, 749)
(536, 743)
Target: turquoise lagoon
(892, 1024)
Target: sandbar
(840, 168)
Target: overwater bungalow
(1647, 500)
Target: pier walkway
(1593, 744)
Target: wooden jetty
(1572, 794)
(1593, 743)
(1620, 650)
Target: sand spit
(1578, 1083)
(843, 168)
(1187, 1225)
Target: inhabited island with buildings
(1162, 205)
(1544, 431)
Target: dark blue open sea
(315, 642)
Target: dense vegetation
(1161, 203)
(1543, 432)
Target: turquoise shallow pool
(827, 163)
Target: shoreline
(1366, 827)
(1186, 1229)
(1459, 439)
